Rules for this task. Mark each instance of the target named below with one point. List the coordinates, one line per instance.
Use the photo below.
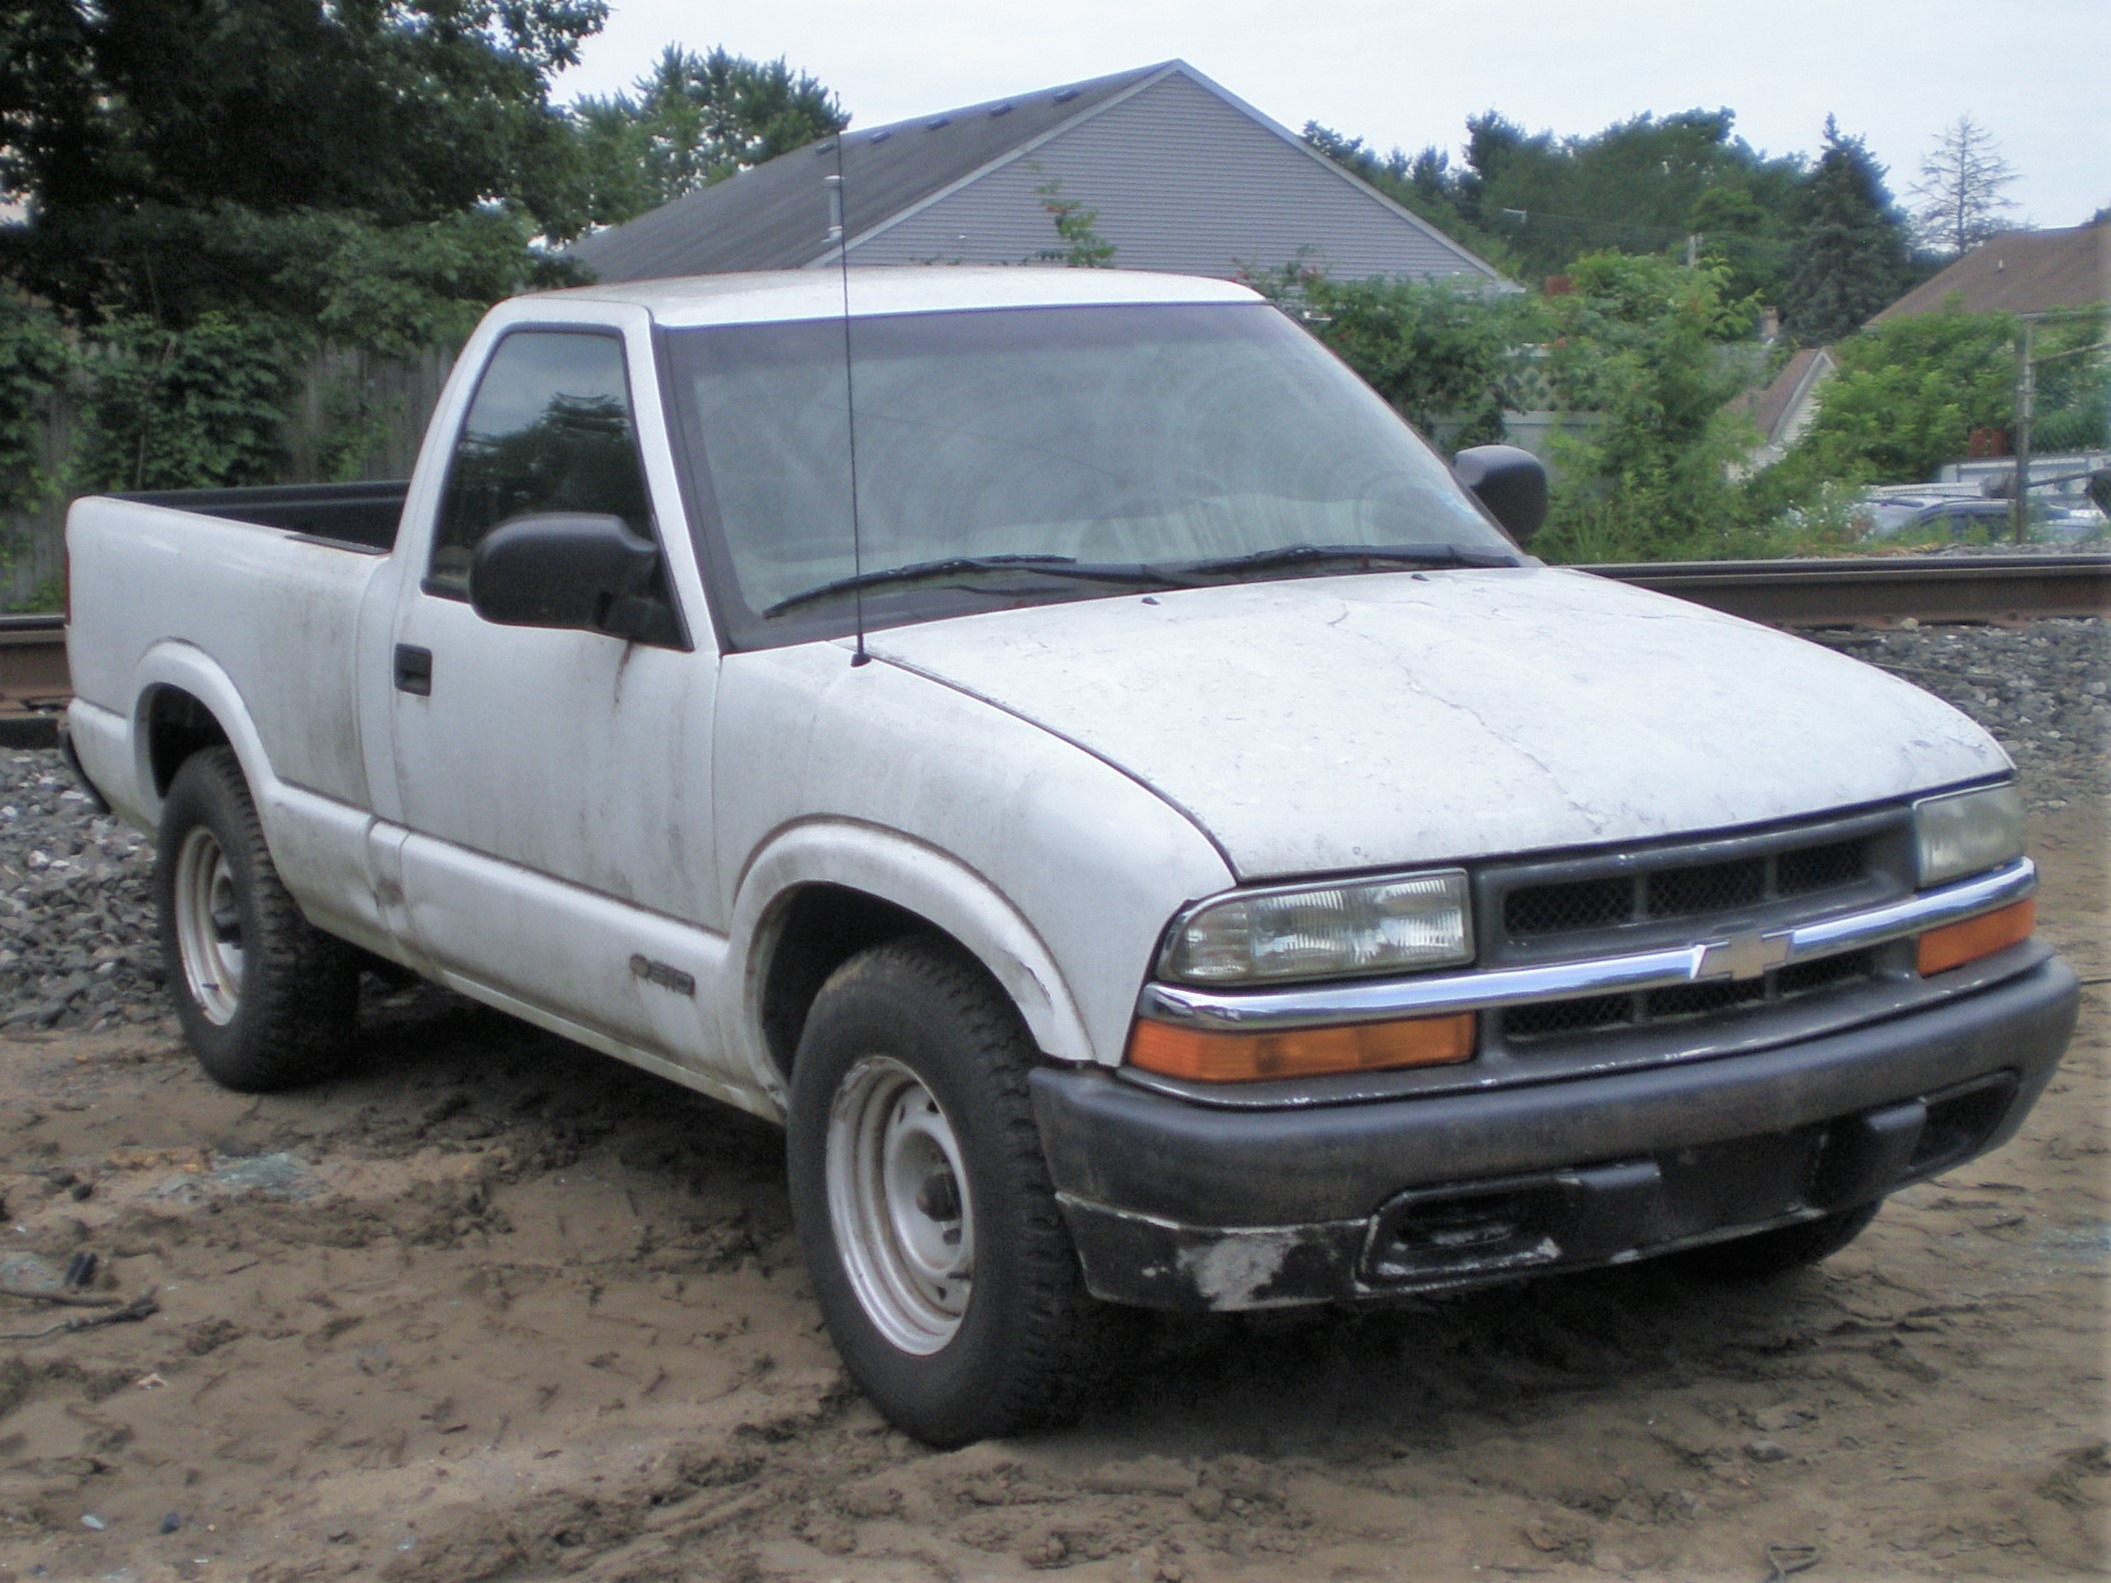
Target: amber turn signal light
(1955, 944)
(1210, 1057)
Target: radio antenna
(838, 235)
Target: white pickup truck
(1059, 743)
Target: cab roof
(788, 295)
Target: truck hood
(1376, 721)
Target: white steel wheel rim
(209, 926)
(898, 1204)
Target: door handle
(413, 670)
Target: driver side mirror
(570, 570)
(1510, 482)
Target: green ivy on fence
(34, 363)
(202, 407)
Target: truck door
(556, 782)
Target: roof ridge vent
(936, 122)
(1064, 95)
(881, 136)
(1000, 109)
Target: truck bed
(362, 516)
(254, 595)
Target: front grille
(1849, 967)
(1557, 1017)
(1811, 869)
(1677, 890)
(1676, 894)
(1711, 887)
(1567, 909)
(1564, 1019)
(1701, 1000)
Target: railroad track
(1872, 591)
(1882, 591)
(34, 685)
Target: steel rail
(1857, 591)
(34, 683)
(1883, 590)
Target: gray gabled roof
(1190, 178)
(774, 216)
(2027, 273)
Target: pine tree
(1849, 260)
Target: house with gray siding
(1184, 177)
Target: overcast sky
(1409, 72)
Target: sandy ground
(494, 1307)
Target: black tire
(1768, 1255)
(947, 1360)
(266, 999)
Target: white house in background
(1785, 407)
(1185, 177)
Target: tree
(212, 187)
(1083, 247)
(200, 407)
(1639, 342)
(34, 362)
(1533, 201)
(1425, 185)
(1909, 393)
(172, 153)
(1442, 352)
(691, 121)
(1849, 257)
(1960, 188)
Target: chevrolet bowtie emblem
(1747, 956)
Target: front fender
(919, 878)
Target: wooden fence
(379, 405)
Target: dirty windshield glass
(1028, 455)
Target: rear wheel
(936, 1249)
(265, 998)
(1769, 1254)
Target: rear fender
(317, 843)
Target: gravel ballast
(77, 938)
(2043, 689)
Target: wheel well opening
(177, 726)
(824, 926)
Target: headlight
(1968, 832)
(1369, 926)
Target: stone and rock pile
(77, 934)
(2044, 689)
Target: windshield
(1027, 455)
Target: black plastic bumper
(1180, 1205)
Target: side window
(549, 429)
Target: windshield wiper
(1386, 555)
(1063, 566)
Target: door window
(549, 430)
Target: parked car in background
(1965, 512)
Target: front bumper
(1179, 1205)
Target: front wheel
(265, 998)
(936, 1249)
